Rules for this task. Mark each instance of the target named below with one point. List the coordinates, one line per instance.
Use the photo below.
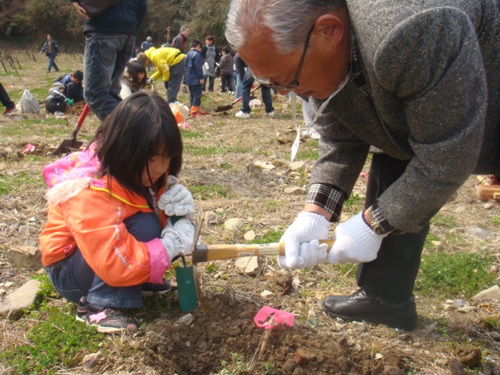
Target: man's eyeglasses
(295, 82)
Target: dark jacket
(179, 42)
(432, 96)
(194, 68)
(226, 64)
(125, 17)
(54, 50)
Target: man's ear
(329, 30)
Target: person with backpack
(56, 101)
(210, 55)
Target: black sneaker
(362, 306)
(149, 289)
(107, 320)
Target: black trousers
(392, 275)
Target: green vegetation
(19, 182)
(454, 275)
(207, 192)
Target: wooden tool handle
(205, 253)
(486, 192)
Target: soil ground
(220, 337)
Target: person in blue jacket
(194, 77)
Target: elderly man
(417, 80)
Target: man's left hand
(355, 242)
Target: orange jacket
(88, 213)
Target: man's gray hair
(288, 20)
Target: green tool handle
(204, 253)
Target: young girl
(134, 78)
(103, 240)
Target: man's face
(318, 78)
(185, 32)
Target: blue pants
(52, 63)
(73, 278)
(195, 92)
(246, 87)
(106, 56)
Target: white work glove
(177, 200)
(149, 81)
(178, 239)
(297, 238)
(355, 242)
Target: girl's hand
(178, 239)
(177, 201)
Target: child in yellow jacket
(107, 238)
(169, 63)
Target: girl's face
(139, 77)
(158, 166)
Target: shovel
(224, 108)
(69, 145)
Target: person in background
(56, 101)
(134, 78)
(169, 63)
(211, 57)
(109, 44)
(179, 41)
(108, 237)
(147, 44)
(51, 50)
(417, 80)
(194, 78)
(73, 85)
(226, 66)
(10, 106)
(239, 72)
(247, 82)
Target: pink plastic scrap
(269, 317)
(29, 148)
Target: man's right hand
(80, 9)
(307, 226)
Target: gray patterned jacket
(433, 69)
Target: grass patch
(454, 275)
(17, 182)
(354, 202)
(56, 340)
(197, 150)
(207, 192)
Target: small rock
(303, 356)
(90, 360)
(20, 299)
(25, 257)
(479, 233)
(467, 309)
(249, 236)
(185, 320)
(26, 229)
(492, 293)
(417, 344)
(212, 218)
(266, 293)
(297, 165)
(233, 224)
(8, 284)
(294, 190)
(249, 265)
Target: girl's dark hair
(135, 67)
(140, 127)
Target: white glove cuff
(171, 243)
